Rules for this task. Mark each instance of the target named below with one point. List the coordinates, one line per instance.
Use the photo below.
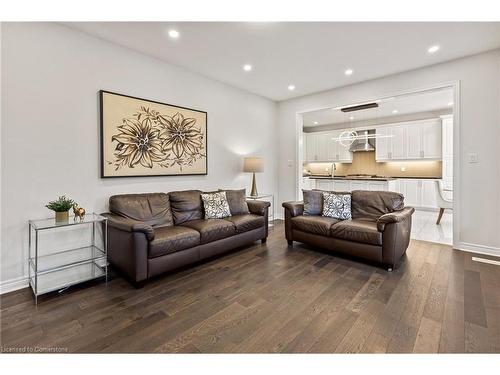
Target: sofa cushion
(357, 230)
(313, 202)
(215, 205)
(171, 239)
(337, 205)
(151, 208)
(237, 201)
(314, 224)
(186, 205)
(245, 223)
(212, 229)
(373, 204)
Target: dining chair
(442, 202)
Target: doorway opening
(401, 143)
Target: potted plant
(61, 208)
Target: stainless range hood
(365, 141)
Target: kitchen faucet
(333, 169)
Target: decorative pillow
(215, 205)
(313, 202)
(337, 205)
(237, 201)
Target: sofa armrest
(294, 208)
(130, 225)
(394, 217)
(258, 207)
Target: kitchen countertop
(367, 178)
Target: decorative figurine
(78, 211)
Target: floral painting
(146, 138)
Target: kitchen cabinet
(447, 142)
(417, 140)
(428, 194)
(307, 183)
(382, 144)
(350, 185)
(324, 185)
(316, 147)
(340, 185)
(321, 146)
(423, 140)
(341, 153)
(358, 185)
(418, 193)
(391, 145)
(431, 140)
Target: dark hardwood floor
(272, 298)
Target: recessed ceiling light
(433, 49)
(291, 87)
(450, 104)
(315, 122)
(247, 67)
(348, 72)
(351, 118)
(174, 34)
(395, 111)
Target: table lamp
(253, 165)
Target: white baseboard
(13, 284)
(479, 249)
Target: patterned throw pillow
(215, 205)
(337, 205)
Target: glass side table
(77, 252)
(268, 198)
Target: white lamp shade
(253, 165)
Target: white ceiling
(311, 55)
(430, 101)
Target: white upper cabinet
(398, 144)
(431, 140)
(409, 141)
(340, 153)
(414, 142)
(333, 153)
(382, 144)
(311, 151)
(447, 141)
(322, 146)
(391, 145)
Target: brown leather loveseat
(149, 234)
(379, 230)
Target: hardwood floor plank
(428, 336)
(473, 299)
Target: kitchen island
(419, 192)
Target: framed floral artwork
(144, 138)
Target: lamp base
(254, 193)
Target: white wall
(50, 130)
(479, 76)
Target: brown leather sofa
(149, 234)
(379, 230)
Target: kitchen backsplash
(364, 163)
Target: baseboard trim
(479, 249)
(12, 285)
